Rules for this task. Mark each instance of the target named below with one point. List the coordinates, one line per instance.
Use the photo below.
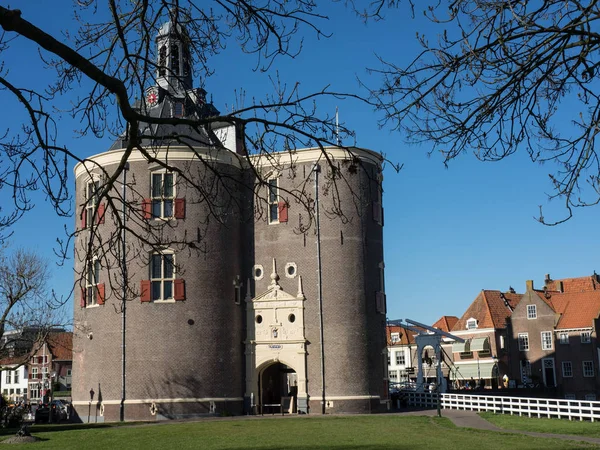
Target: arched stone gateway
(278, 389)
(276, 349)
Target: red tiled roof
(581, 284)
(406, 336)
(445, 323)
(61, 345)
(14, 360)
(490, 309)
(577, 300)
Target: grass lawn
(543, 425)
(378, 432)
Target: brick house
(50, 365)
(401, 355)
(554, 330)
(484, 357)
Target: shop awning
(460, 347)
(480, 344)
(483, 370)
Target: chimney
(547, 279)
(529, 285)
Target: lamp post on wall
(52, 377)
(317, 169)
(124, 305)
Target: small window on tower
(162, 61)
(178, 110)
(175, 59)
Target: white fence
(523, 406)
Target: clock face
(152, 97)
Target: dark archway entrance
(277, 383)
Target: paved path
(470, 419)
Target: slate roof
(167, 134)
(490, 309)
(579, 302)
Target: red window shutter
(283, 212)
(145, 290)
(180, 208)
(147, 208)
(82, 303)
(380, 301)
(100, 294)
(84, 218)
(179, 291)
(377, 212)
(101, 209)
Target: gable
(543, 305)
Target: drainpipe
(124, 305)
(317, 169)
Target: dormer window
(395, 337)
(471, 324)
(178, 109)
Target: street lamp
(52, 377)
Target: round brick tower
(183, 327)
(235, 300)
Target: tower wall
(183, 357)
(351, 254)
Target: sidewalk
(470, 419)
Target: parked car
(60, 411)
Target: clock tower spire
(174, 72)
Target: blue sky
(449, 232)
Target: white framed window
(400, 359)
(9, 377)
(34, 373)
(162, 276)
(395, 337)
(471, 324)
(502, 342)
(273, 196)
(567, 369)
(586, 337)
(16, 376)
(389, 358)
(163, 194)
(523, 342)
(92, 194)
(91, 282)
(35, 390)
(531, 311)
(563, 338)
(546, 340)
(588, 368)
(393, 375)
